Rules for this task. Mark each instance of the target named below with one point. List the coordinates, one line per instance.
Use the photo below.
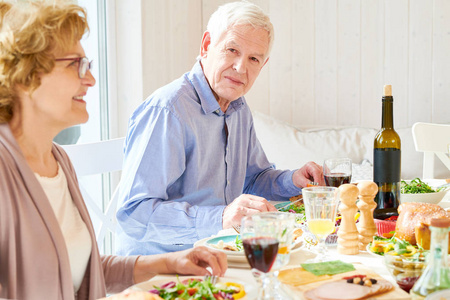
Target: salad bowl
(419, 191)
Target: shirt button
(228, 182)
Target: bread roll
(415, 214)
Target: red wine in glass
(261, 252)
(336, 179)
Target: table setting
(323, 244)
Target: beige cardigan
(34, 263)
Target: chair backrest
(432, 139)
(98, 158)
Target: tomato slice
(192, 291)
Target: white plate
(212, 241)
(371, 253)
(235, 258)
(250, 289)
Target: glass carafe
(437, 274)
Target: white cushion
(290, 148)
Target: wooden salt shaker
(348, 233)
(366, 205)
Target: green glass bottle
(436, 275)
(387, 161)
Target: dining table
(241, 272)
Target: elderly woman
(47, 243)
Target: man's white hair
(238, 13)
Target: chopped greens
(296, 209)
(199, 289)
(238, 243)
(394, 246)
(416, 186)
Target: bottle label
(386, 165)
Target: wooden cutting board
(395, 294)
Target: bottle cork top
(441, 222)
(387, 90)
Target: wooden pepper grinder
(348, 233)
(366, 205)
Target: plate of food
(229, 244)
(395, 246)
(293, 207)
(196, 287)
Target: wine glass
(321, 205)
(337, 171)
(267, 240)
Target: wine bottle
(387, 161)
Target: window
(96, 188)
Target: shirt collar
(207, 100)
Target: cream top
(73, 228)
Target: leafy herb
(296, 209)
(416, 186)
(238, 243)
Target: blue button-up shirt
(181, 169)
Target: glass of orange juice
(321, 203)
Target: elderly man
(193, 164)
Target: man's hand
(309, 172)
(190, 262)
(244, 205)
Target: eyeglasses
(83, 64)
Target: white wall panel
(326, 62)
(396, 56)
(348, 62)
(420, 56)
(441, 62)
(303, 62)
(171, 40)
(329, 62)
(280, 75)
(372, 59)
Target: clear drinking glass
(337, 171)
(321, 205)
(267, 239)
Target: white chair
(432, 139)
(99, 158)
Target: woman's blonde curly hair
(30, 35)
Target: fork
(212, 278)
(237, 228)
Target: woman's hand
(190, 262)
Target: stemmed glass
(337, 171)
(321, 205)
(267, 240)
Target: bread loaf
(415, 214)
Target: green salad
(199, 289)
(416, 186)
(297, 209)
